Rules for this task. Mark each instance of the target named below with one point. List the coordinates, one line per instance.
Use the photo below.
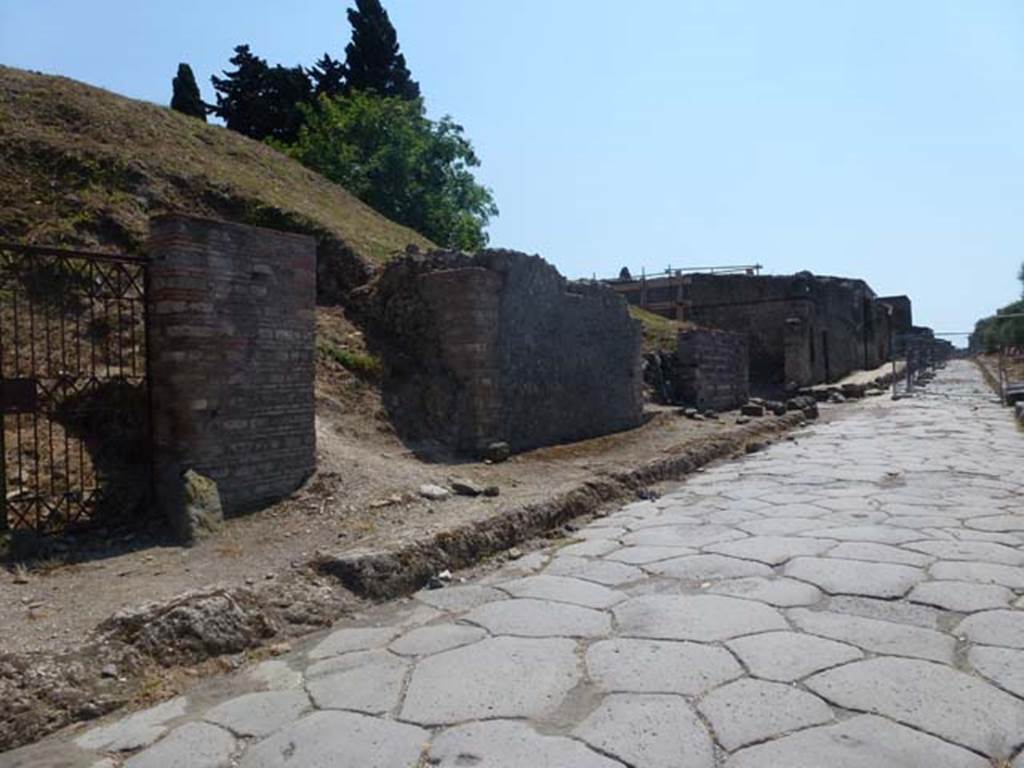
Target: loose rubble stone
(465, 487)
(752, 409)
(962, 596)
(876, 636)
(527, 617)
(509, 744)
(747, 711)
(932, 697)
(1004, 628)
(657, 666)
(855, 577)
(498, 677)
(1003, 666)
(704, 618)
(650, 730)
(434, 492)
(193, 745)
(259, 714)
(497, 452)
(861, 742)
(424, 641)
(790, 656)
(340, 740)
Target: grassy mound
(84, 167)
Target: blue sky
(877, 138)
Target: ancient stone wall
(231, 335)
(499, 347)
(713, 369)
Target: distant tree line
(360, 122)
(992, 333)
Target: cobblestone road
(852, 599)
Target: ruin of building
(802, 329)
(498, 347)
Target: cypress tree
(185, 97)
(328, 76)
(240, 102)
(372, 59)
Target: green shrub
(362, 364)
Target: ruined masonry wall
(231, 335)
(713, 369)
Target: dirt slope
(86, 167)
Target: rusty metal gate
(73, 390)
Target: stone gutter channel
(142, 655)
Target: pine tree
(328, 76)
(285, 90)
(186, 98)
(372, 60)
(240, 102)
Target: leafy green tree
(261, 101)
(412, 170)
(185, 97)
(372, 59)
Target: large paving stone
(367, 681)
(772, 550)
(783, 593)
(193, 745)
(981, 573)
(1005, 627)
(1003, 666)
(748, 711)
(880, 553)
(276, 675)
(790, 656)
(707, 568)
(855, 577)
(564, 590)
(898, 611)
(353, 639)
(1001, 523)
(605, 572)
(259, 714)
(877, 636)
(684, 536)
(510, 744)
(879, 534)
(498, 677)
(592, 548)
(527, 617)
(457, 599)
(340, 740)
(649, 730)
(861, 742)
(435, 638)
(961, 596)
(779, 526)
(135, 731)
(931, 697)
(980, 551)
(658, 666)
(704, 618)
(637, 555)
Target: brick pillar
(231, 329)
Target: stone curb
(389, 573)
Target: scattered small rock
(836, 398)
(754, 447)
(434, 492)
(497, 452)
(752, 409)
(465, 487)
(742, 420)
(515, 553)
(110, 670)
(492, 491)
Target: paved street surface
(850, 599)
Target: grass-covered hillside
(85, 167)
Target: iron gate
(73, 390)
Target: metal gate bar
(74, 443)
